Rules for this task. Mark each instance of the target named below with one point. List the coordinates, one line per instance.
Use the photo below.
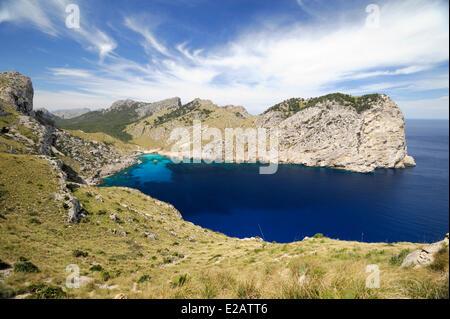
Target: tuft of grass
(440, 262)
(105, 275)
(143, 278)
(397, 260)
(248, 290)
(180, 280)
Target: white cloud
(64, 100)
(49, 17)
(150, 41)
(269, 63)
(426, 108)
(27, 11)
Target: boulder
(76, 211)
(17, 90)
(425, 256)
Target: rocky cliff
(17, 90)
(83, 160)
(340, 131)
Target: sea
(389, 205)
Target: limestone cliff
(340, 131)
(17, 90)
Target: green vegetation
(294, 105)
(79, 253)
(96, 268)
(397, 260)
(42, 291)
(178, 112)
(173, 266)
(359, 103)
(440, 262)
(112, 122)
(25, 266)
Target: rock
(123, 234)
(149, 235)
(331, 133)
(2, 110)
(4, 130)
(192, 239)
(425, 256)
(99, 198)
(76, 211)
(17, 90)
(120, 296)
(84, 280)
(113, 217)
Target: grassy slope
(32, 225)
(209, 115)
(112, 123)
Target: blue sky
(253, 53)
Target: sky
(253, 53)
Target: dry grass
(32, 225)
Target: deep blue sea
(389, 205)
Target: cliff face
(17, 90)
(339, 133)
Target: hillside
(129, 245)
(340, 131)
(154, 131)
(113, 120)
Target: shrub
(318, 235)
(105, 275)
(96, 268)
(42, 291)
(25, 266)
(143, 278)
(79, 253)
(397, 260)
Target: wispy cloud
(271, 62)
(49, 17)
(27, 11)
(150, 43)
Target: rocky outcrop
(17, 90)
(76, 211)
(336, 132)
(425, 256)
(239, 111)
(143, 109)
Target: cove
(389, 205)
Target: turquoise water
(389, 205)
